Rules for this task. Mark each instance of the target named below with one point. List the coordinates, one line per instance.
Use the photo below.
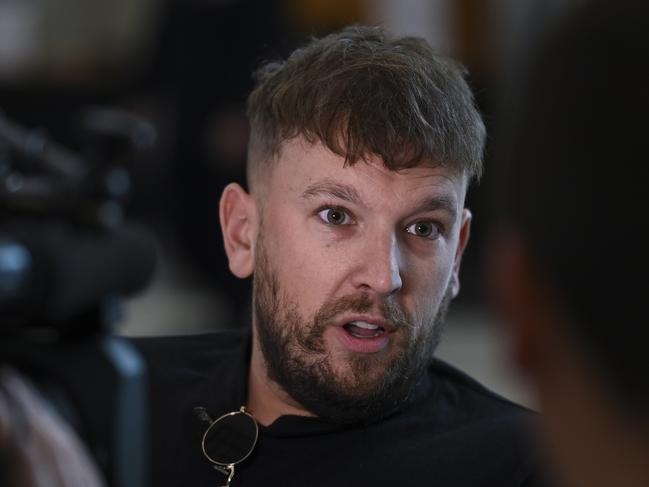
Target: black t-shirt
(451, 432)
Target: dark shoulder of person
(473, 436)
(177, 348)
(185, 356)
(183, 373)
(191, 368)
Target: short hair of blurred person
(569, 264)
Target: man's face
(354, 268)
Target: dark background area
(186, 67)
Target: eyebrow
(437, 203)
(332, 189)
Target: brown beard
(371, 386)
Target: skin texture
(375, 257)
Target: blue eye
(334, 216)
(426, 230)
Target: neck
(267, 400)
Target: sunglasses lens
(230, 439)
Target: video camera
(68, 255)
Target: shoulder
(466, 396)
(476, 425)
(184, 372)
(458, 432)
(191, 358)
(458, 404)
(180, 347)
(206, 370)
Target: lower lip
(362, 345)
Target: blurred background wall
(185, 65)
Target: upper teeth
(365, 324)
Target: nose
(379, 267)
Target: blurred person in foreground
(37, 448)
(569, 264)
(353, 226)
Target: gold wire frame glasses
(228, 440)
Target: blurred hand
(38, 448)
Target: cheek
(305, 267)
(427, 285)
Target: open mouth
(362, 329)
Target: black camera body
(67, 258)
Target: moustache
(388, 309)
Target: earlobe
(465, 231)
(238, 217)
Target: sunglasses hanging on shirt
(228, 440)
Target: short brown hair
(362, 92)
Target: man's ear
(465, 231)
(239, 220)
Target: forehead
(301, 166)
